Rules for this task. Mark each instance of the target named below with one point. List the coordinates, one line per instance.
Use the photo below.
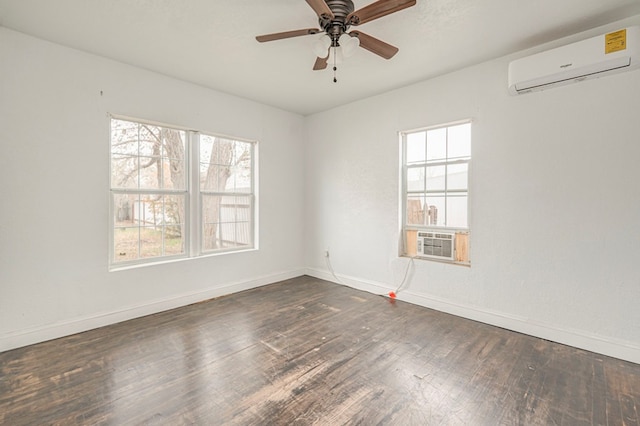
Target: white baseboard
(603, 345)
(34, 335)
(616, 348)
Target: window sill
(430, 259)
(129, 266)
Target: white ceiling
(211, 42)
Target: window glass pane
(150, 141)
(174, 240)
(213, 177)
(243, 234)
(435, 210)
(232, 183)
(173, 144)
(124, 171)
(149, 170)
(150, 241)
(460, 141)
(150, 173)
(436, 144)
(225, 165)
(235, 234)
(208, 173)
(241, 179)
(243, 208)
(216, 158)
(125, 241)
(148, 210)
(235, 216)
(166, 167)
(415, 210)
(174, 210)
(162, 159)
(148, 225)
(206, 145)
(457, 176)
(174, 176)
(227, 222)
(126, 232)
(124, 137)
(173, 159)
(123, 205)
(211, 218)
(416, 147)
(436, 178)
(211, 237)
(415, 178)
(457, 211)
(228, 234)
(228, 209)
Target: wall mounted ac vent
(605, 54)
(438, 245)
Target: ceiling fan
(335, 17)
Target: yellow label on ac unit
(615, 42)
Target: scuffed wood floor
(305, 352)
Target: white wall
(54, 171)
(554, 203)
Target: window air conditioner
(437, 245)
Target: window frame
(193, 225)
(405, 193)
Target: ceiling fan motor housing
(338, 25)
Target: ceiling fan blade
(321, 8)
(377, 10)
(287, 34)
(374, 45)
(321, 63)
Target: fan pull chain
(335, 68)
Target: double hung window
(176, 193)
(436, 179)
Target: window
(177, 193)
(436, 181)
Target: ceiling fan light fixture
(349, 44)
(321, 46)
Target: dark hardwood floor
(304, 352)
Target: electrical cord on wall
(391, 294)
(330, 267)
(394, 294)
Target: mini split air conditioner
(591, 58)
(437, 245)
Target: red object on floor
(392, 295)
